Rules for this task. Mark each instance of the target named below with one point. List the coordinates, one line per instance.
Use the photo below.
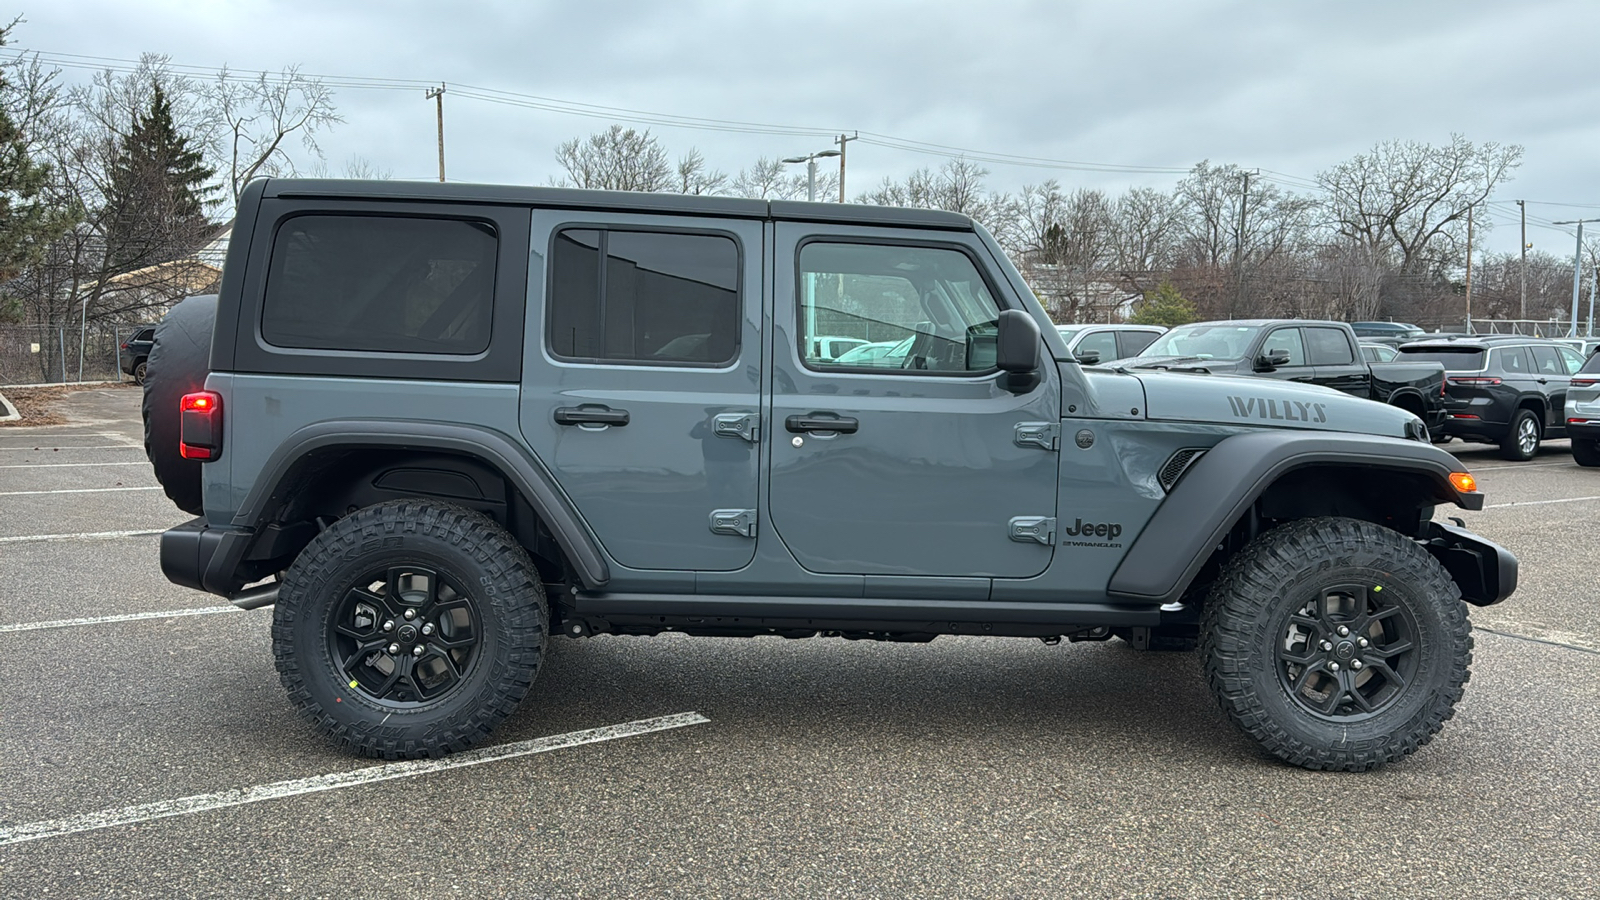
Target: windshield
(1067, 331)
(1217, 340)
(1454, 359)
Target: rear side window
(1328, 347)
(1547, 362)
(644, 297)
(1134, 342)
(381, 283)
(1454, 359)
(1510, 359)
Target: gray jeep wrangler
(439, 424)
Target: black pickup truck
(1314, 352)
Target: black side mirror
(1088, 357)
(1017, 350)
(1273, 359)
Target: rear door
(1553, 376)
(1331, 352)
(1131, 342)
(929, 470)
(641, 381)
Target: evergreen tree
(158, 191)
(1164, 306)
(27, 222)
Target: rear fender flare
(495, 449)
(1221, 486)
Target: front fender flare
(1222, 484)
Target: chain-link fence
(42, 354)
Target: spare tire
(180, 358)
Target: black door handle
(591, 415)
(819, 422)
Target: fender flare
(495, 449)
(1221, 485)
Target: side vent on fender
(1178, 464)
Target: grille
(1177, 465)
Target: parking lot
(148, 749)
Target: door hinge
(1041, 529)
(1046, 435)
(739, 425)
(739, 522)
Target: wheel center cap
(1344, 650)
(408, 633)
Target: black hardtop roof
(617, 201)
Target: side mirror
(1088, 357)
(1017, 350)
(1273, 359)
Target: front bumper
(1485, 571)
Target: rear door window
(1134, 342)
(1547, 362)
(1328, 347)
(1510, 360)
(381, 283)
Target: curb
(66, 383)
(8, 413)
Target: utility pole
(1238, 243)
(841, 141)
(1469, 270)
(437, 95)
(1577, 270)
(1522, 308)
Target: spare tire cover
(180, 358)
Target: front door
(641, 381)
(908, 461)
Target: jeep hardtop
(439, 424)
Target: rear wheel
(409, 629)
(140, 369)
(1522, 438)
(1336, 644)
(1586, 452)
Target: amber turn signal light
(1463, 482)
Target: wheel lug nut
(410, 614)
(1343, 631)
(1363, 642)
(389, 625)
(1327, 645)
(428, 628)
(1333, 667)
(394, 648)
(416, 651)
(1355, 663)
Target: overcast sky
(1289, 86)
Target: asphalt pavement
(147, 749)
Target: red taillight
(1584, 382)
(1462, 416)
(200, 425)
(1578, 421)
(1473, 380)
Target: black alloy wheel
(1348, 653)
(405, 635)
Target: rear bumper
(1485, 571)
(204, 557)
(1584, 432)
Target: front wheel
(409, 629)
(1336, 644)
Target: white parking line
(144, 812)
(93, 465)
(1514, 466)
(124, 617)
(78, 536)
(41, 448)
(81, 491)
(1540, 502)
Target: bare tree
(617, 159)
(1410, 199)
(695, 177)
(252, 117)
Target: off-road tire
(1514, 445)
(180, 358)
(1586, 452)
(465, 550)
(1259, 602)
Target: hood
(1267, 403)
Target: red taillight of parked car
(1580, 422)
(200, 425)
(1585, 382)
(1473, 380)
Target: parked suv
(1509, 390)
(1391, 333)
(440, 424)
(135, 353)
(1583, 413)
(1100, 344)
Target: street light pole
(810, 159)
(1577, 270)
